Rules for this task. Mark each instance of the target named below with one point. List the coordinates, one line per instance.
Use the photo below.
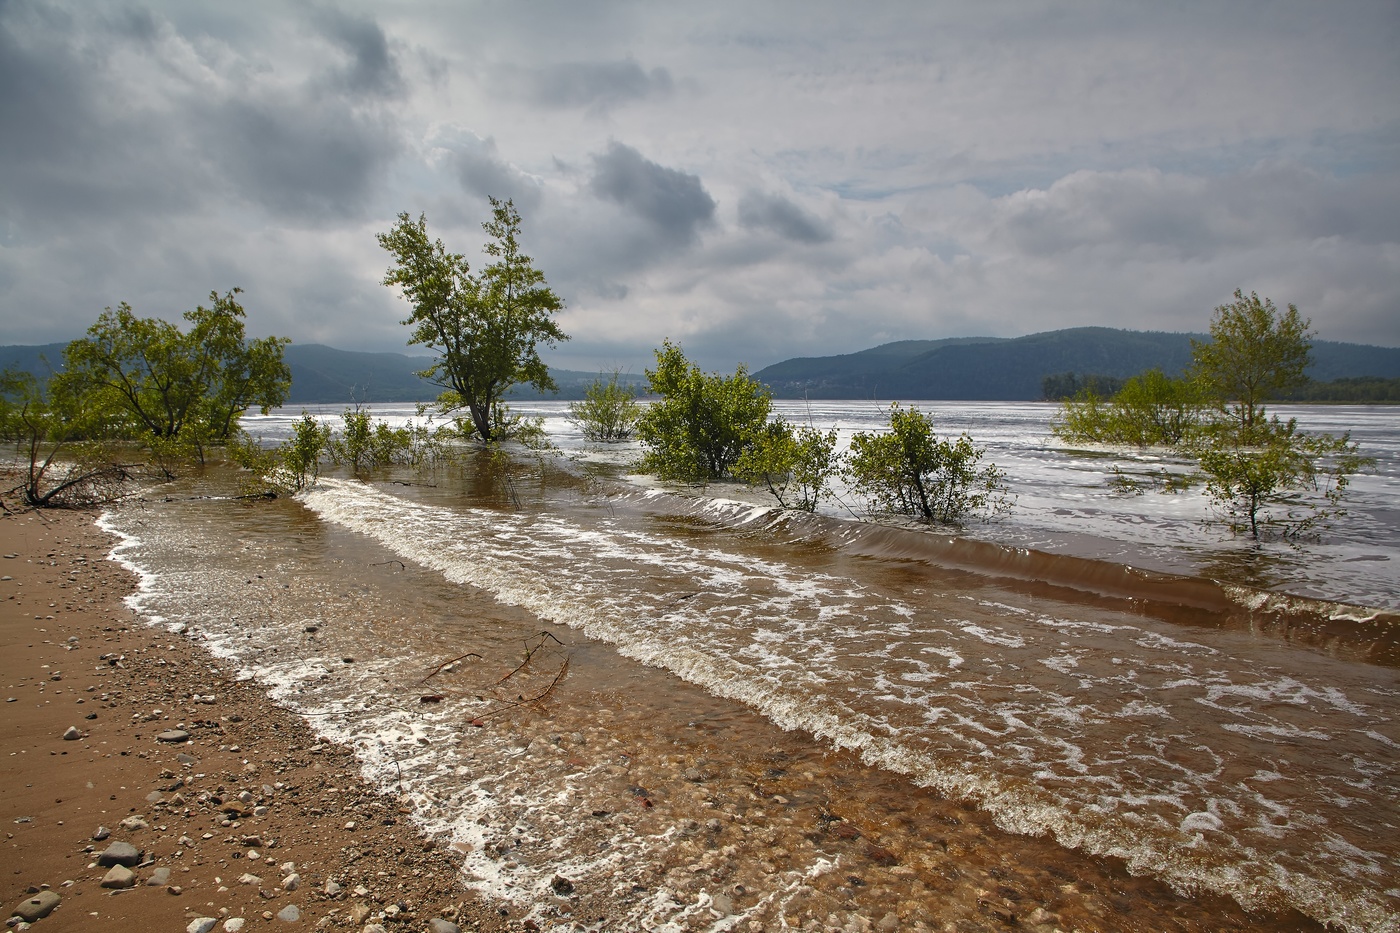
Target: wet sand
(249, 793)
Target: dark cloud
(484, 173)
(592, 85)
(775, 213)
(373, 69)
(297, 155)
(674, 203)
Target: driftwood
(522, 701)
(529, 653)
(438, 669)
(386, 563)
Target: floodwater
(633, 707)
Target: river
(703, 713)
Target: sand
(223, 819)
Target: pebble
(332, 888)
(374, 928)
(119, 876)
(159, 877)
(120, 853)
(173, 735)
(234, 924)
(289, 914)
(36, 907)
(73, 733)
(201, 925)
(439, 925)
(133, 823)
(249, 878)
(102, 833)
(291, 882)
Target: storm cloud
(674, 203)
(775, 213)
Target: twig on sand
(438, 669)
(386, 563)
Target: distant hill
(325, 375)
(972, 368)
(990, 369)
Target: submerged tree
(796, 465)
(485, 328)
(909, 470)
(703, 422)
(608, 410)
(1254, 354)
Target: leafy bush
(608, 411)
(1150, 410)
(795, 465)
(1278, 479)
(908, 470)
(702, 423)
(366, 444)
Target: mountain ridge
(956, 368)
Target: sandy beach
(116, 732)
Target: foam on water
(1041, 716)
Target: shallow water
(730, 716)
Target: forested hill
(974, 368)
(325, 375)
(999, 369)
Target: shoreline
(249, 817)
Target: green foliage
(608, 411)
(1058, 387)
(796, 465)
(1277, 479)
(1254, 354)
(908, 470)
(293, 465)
(364, 444)
(1150, 410)
(1361, 389)
(45, 424)
(175, 391)
(702, 423)
(484, 327)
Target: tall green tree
(703, 422)
(486, 328)
(176, 391)
(1255, 354)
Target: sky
(755, 181)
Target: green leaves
(1254, 354)
(795, 464)
(702, 423)
(485, 327)
(1150, 410)
(910, 471)
(175, 391)
(608, 410)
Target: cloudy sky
(754, 180)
